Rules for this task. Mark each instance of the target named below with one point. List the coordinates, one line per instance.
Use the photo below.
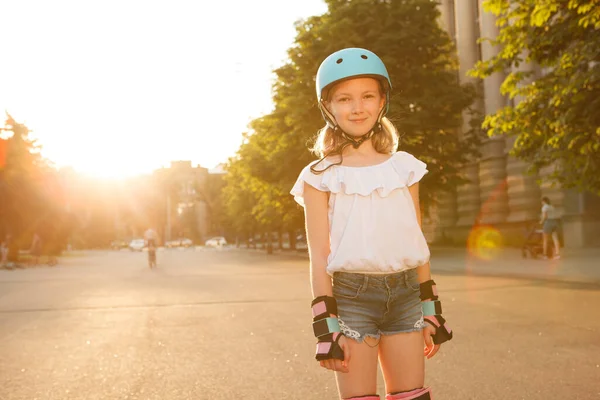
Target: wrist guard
(428, 290)
(443, 333)
(432, 312)
(326, 328)
(323, 307)
(328, 347)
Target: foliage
(30, 193)
(555, 116)
(426, 103)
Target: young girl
(369, 262)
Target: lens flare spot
(485, 242)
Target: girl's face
(356, 104)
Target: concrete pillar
(492, 169)
(467, 33)
(438, 224)
(446, 20)
(523, 190)
(467, 208)
(580, 216)
(447, 215)
(492, 183)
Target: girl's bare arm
(424, 271)
(317, 236)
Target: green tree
(240, 194)
(211, 192)
(426, 102)
(557, 120)
(30, 191)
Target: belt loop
(364, 284)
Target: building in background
(175, 201)
(500, 195)
(185, 210)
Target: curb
(564, 279)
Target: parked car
(137, 245)
(119, 244)
(301, 243)
(216, 241)
(171, 243)
(185, 242)
(180, 242)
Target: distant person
(36, 249)
(4, 251)
(374, 298)
(549, 224)
(151, 237)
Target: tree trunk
(269, 243)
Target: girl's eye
(369, 96)
(343, 99)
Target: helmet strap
(327, 115)
(357, 141)
(350, 140)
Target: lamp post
(168, 229)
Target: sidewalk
(575, 265)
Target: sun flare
(115, 89)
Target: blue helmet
(351, 63)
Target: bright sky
(120, 87)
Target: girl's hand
(339, 365)
(430, 347)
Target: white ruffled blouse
(373, 225)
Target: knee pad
(364, 397)
(416, 394)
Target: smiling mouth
(358, 121)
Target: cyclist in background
(150, 237)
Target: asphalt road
(232, 324)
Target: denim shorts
(550, 226)
(375, 305)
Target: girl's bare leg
(402, 361)
(361, 379)
(556, 243)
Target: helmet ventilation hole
(339, 61)
(364, 57)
